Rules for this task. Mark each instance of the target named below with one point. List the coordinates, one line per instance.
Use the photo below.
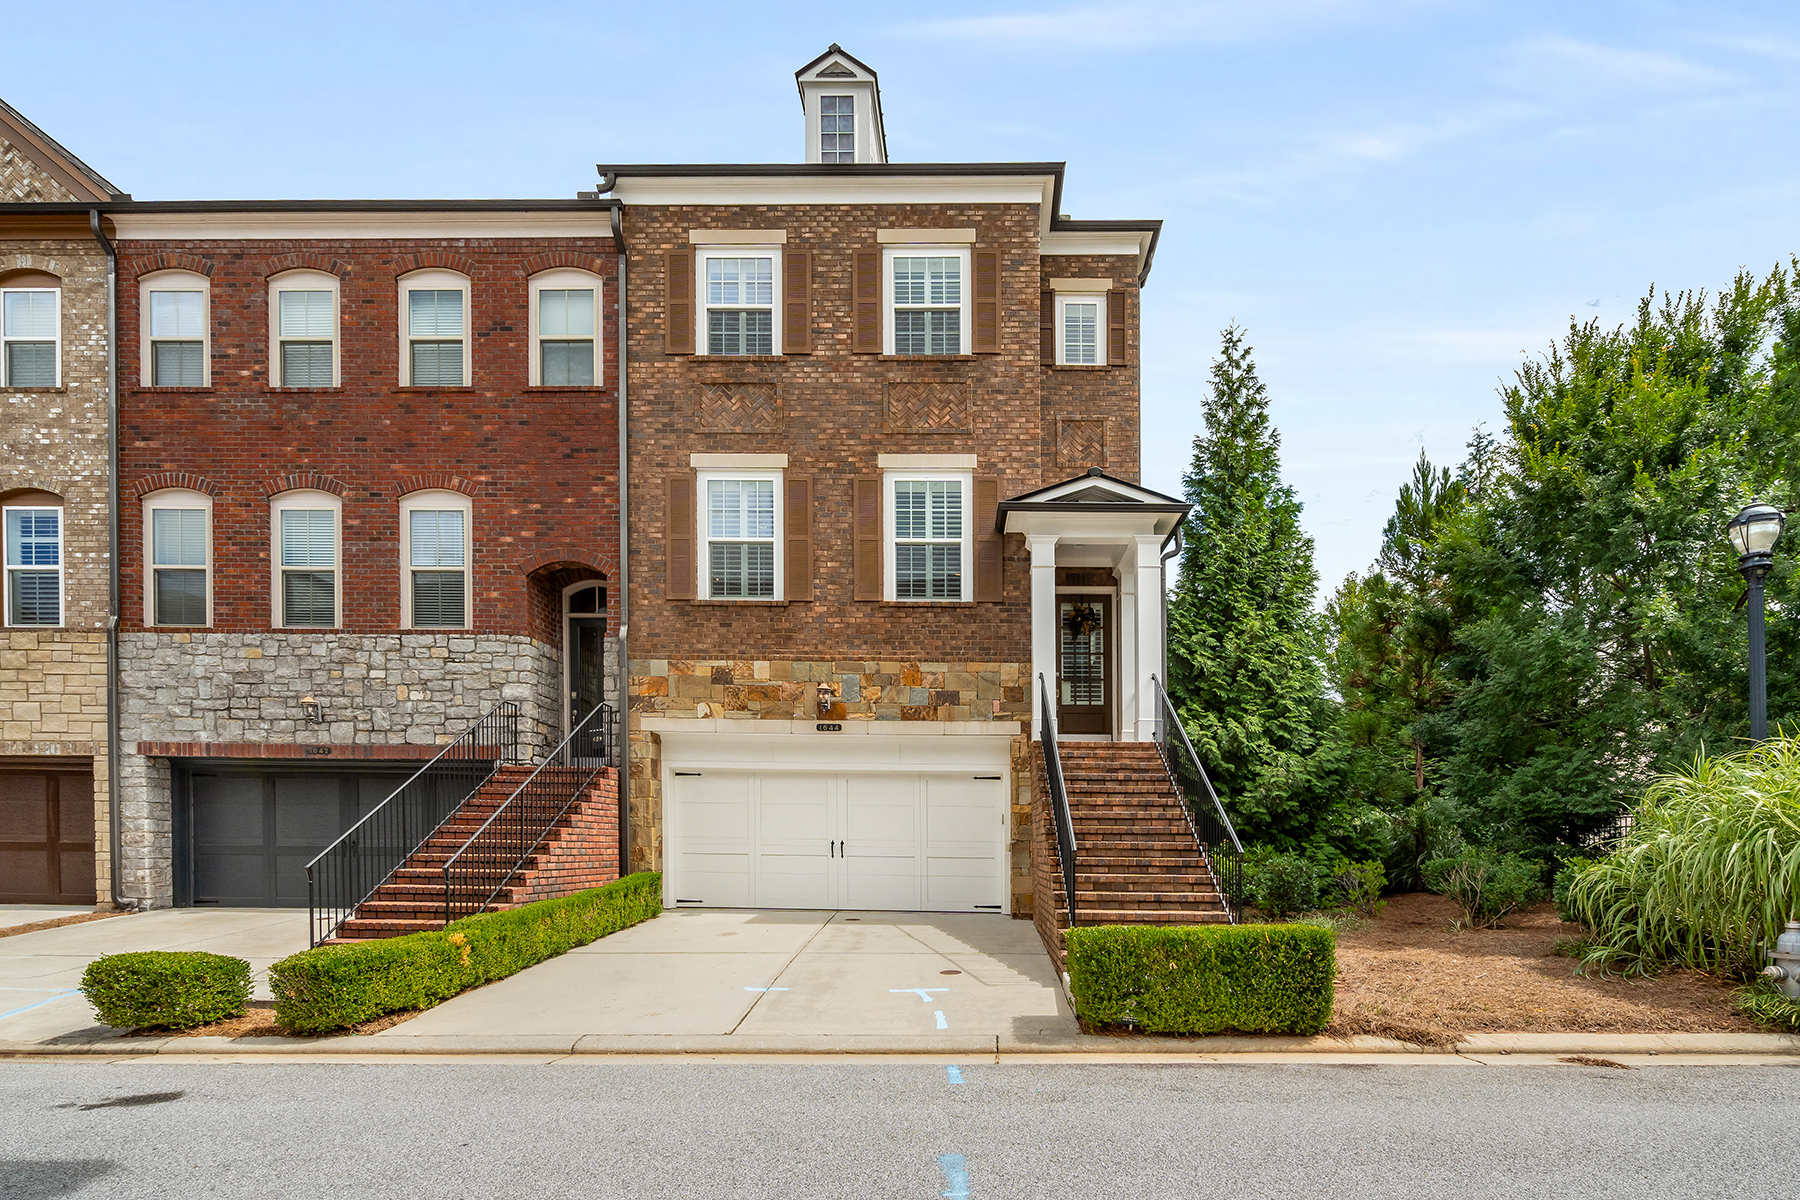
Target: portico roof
(1091, 502)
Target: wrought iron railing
(1059, 795)
(494, 853)
(348, 871)
(1213, 832)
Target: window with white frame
(837, 129)
(434, 329)
(30, 337)
(1080, 329)
(564, 322)
(435, 560)
(928, 300)
(177, 558)
(740, 532)
(177, 329)
(303, 306)
(34, 562)
(742, 290)
(306, 583)
(928, 536)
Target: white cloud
(1159, 22)
(1557, 64)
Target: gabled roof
(838, 72)
(76, 177)
(1096, 487)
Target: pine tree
(1244, 642)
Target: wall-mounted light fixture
(314, 711)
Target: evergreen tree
(1243, 642)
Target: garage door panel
(714, 811)
(793, 881)
(26, 876)
(877, 884)
(25, 817)
(234, 876)
(794, 810)
(720, 879)
(308, 812)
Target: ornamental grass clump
(1710, 871)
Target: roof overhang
(334, 219)
(75, 176)
(1094, 506)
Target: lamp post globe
(1754, 532)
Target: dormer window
(837, 129)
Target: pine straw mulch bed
(259, 1021)
(1410, 974)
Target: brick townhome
(54, 476)
(883, 443)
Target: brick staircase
(581, 851)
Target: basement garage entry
(244, 833)
(46, 833)
(866, 822)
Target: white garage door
(915, 842)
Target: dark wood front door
(1084, 669)
(46, 836)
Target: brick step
(1148, 901)
(1160, 881)
(1108, 916)
(1109, 811)
(360, 929)
(1176, 858)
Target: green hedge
(335, 987)
(166, 989)
(1204, 978)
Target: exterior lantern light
(1754, 533)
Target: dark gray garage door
(46, 835)
(248, 832)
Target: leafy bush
(1566, 872)
(1485, 885)
(166, 989)
(1357, 886)
(1204, 978)
(335, 987)
(1428, 830)
(1710, 870)
(1281, 884)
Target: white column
(1125, 668)
(1043, 623)
(1150, 631)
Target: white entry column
(1043, 623)
(1147, 656)
(1126, 701)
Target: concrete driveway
(40, 973)
(904, 980)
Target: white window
(928, 299)
(176, 329)
(34, 561)
(307, 581)
(837, 129)
(1080, 329)
(742, 290)
(740, 535)
(177, 558)
(564, 321)
(434, 330)
(30, 337)
(928, 536)
(434, 564)
(303, 310)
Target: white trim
(965, 290)
(436, 499)
(770, 250)
(1128, 243)
(304, 280)
(62, 562)
(703, 540)
(175, 498)
(709, 726)
(927, 462)
(928, 237)
(1063, 300)
(561, 279)
(56, 336)
(359, 226)
(891, 515)
(887, 189)
(736, 462)
(435, 279)
(568, 646)
(737, 237)
(312, 501)
(173, 281)
(1080, 285)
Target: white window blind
(178, 339)
(33, 566)
(434, 331)
(740, 529)
(566, 337)
(928, 305)
(1081, 333)
(740, 298)
(928, 533)
(436, 538)
(28, 330)
(178, 566)
(305, 325)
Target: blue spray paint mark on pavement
(955, 1074)
(956, 1175)
(922, 993)
(15, 1012)
(751, 989)
(942, 1024)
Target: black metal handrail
(1059, 795)
(364, 856)
(494, 853)
(1213, 831)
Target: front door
(1084, 692)
(587, 665)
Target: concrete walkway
(41, 972)
(28, 914)
(890, 979)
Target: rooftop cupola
(842, 102)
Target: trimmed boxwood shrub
(166, 989)
(1204, 978)
(335, 987)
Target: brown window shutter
(1115, 328)
(1047, 327)
(867, 517)
(678, 536)
(987, 302)
(865, 287)
(678, 315)
(797, 554)
(987, 541)
(796, 302)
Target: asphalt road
(481, 1132)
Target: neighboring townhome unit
(56, 516)
(369, 513)
(884, 438)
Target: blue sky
(1397, 198)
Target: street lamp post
(1754, 532)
